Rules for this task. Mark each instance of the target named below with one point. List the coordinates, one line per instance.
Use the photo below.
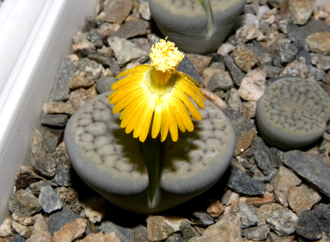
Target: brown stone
(6, 239)
(23, 230)
(114, 11)
(81, 79)
(200, 62)
(215, 208)
(25, 177)
(58, 108)
(244, 58)
(40, 231)
(101, 237)
(71, 231)
(319, 42)
(80, 96)
(282, 182)
(301, 198)
(5, 228)
(158, 229)
(259, 201)
(300, 10)
(214, 98)
(244, 142)
(229, 227)
(94, 208)
(265, 211)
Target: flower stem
(151, 153)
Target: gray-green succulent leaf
(151, 176)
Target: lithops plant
(116, 165)
(150, 171)
(293, 113)
(196, 26)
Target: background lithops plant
(293, 113)
(116, 165)
(196, 26)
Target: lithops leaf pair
(196, 26)
(114, 163)
(293, 113)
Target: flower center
(165, 58)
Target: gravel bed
(266, 194)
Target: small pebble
(49, 200)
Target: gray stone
(41, 159)
(297, 68)
(308, 226)
(64, 75)
(92, 69)
(175, 238)
(317, 73)
(140, 234)
(321, 61)
(59, 218)
(51, 137)
(91, 23)
(131, 28)
(36, 186)
(282, 221)
(18, 238)
(201, 218)
(311, 167)
(256, 233)
(233, 100)
(261, 156)
(275, 156)
(322, 212)
(144, 10)
(248, 215)
(240, 124)
(298, 35)
(81, 45)
(63, 176)
(287, 52)
(24, 203)
(95, 38)
(125, 51)
(187, 67)
(187, 230)
(234, 70)
(54, 120)
(104, 84)
(220, 81)
(125, 234)
(243, 184)
(49, 200)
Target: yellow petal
(173, 103)
(164, 126)
(192, 109)
(158, 117)
(122, 103)
(142, 128)
(173, 125)
(138, 68)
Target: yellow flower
(156, 95)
